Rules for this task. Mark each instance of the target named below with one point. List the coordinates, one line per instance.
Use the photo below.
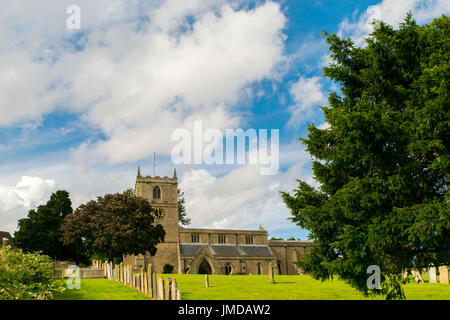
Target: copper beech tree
(114, 225)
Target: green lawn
(247, 288)
(100, 289)
(288, 288)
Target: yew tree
(383, 162)
(114, 225)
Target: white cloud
(324, 125)
(137, 81)
(308, 95)
(15, 201)
(393, 12)
(243, 198)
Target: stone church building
(210, 251)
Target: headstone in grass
(432, 275)
(178, 294)
(443, 274)
(167, 289)
(130, 274)
(173, 292)
(417, 276)
(160, 288)
(142, 279)
(405, 275)
(206, 281)
(149, 269)
(154, 286)
(145, 284)
(150, 285)
(270, 272)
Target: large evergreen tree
(383, 163)
(40, 231)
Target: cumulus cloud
(15, 201)
(392, 12)
(308, 96)
(138, 74)
(243, 198)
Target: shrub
(168, 268)
(26, 276)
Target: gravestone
(178, 294)
(142, 279)
(167, 289)
(160, 289)
(417, 275)
(432, 275)
(270, 272)
(154, 286)
(405, 275)
(144, 287)
(443, 274)
(149, 280)
(206, 281)
(174, 289)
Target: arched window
(156, 193)
(228, 268)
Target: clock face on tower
(158, 212)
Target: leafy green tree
(129, 192)
(40, 231)
(26, 276)
(182, 215)
(113, 226)
(383, 163)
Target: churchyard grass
(100, 289)
(253, 287)
(250, 287)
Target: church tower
(162, 193)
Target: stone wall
(240, 265)
(167, 252)
(211, 236)
(288, 251)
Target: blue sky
(83, 108)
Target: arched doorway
(204, 268)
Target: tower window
(195, 237)
(249, 239)
(156, 193)
(222, 238)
